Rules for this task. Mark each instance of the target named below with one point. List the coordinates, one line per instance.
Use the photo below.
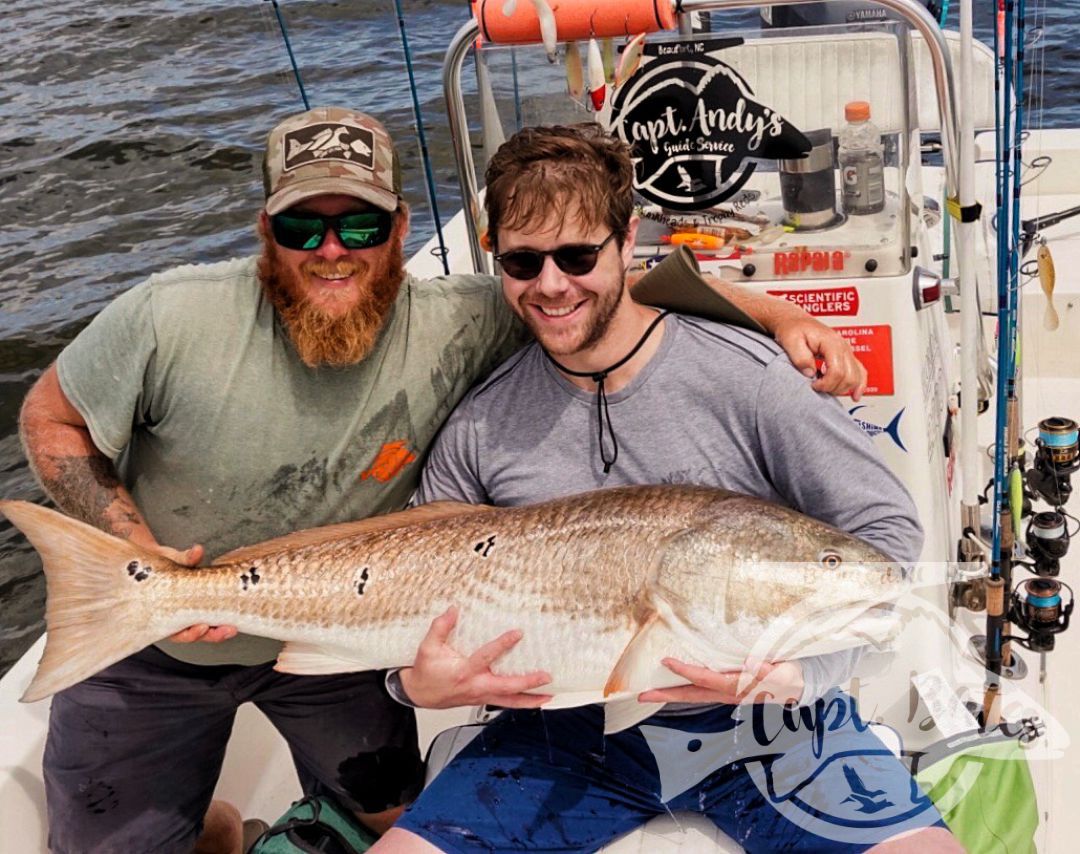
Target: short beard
(321, 338)
(605, 310)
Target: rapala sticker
(695, 128)
(809, 261)
(831, 301)
(873, 347)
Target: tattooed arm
(83, 482)
(78, 477)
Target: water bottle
(862, 170)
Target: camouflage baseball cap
(330, 150)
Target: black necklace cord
(603, 412)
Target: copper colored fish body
(603, 586)
(1047, 280)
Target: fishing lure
(694, 240)
(630, 59)
(728, 232)
(607, 49)
(597, 83)
(1047, 278)
(548, 29)
(575, 75)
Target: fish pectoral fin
(634, 657)
(640, 665)
(311, 659)
(623, 714)
(315, 536)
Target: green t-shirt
(225, 437)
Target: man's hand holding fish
(766, 682)
(443, 678)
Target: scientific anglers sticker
(695, 128)
(830, 301)
(329, 141)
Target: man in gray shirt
(615, 393)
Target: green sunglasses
(295, 230)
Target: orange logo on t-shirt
(391, 459)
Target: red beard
(321, 338)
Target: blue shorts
(134, 752)
(810, 779)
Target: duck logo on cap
(329, 141)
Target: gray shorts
(134, 752)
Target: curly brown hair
(542, 173)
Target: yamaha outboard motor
(833, 12)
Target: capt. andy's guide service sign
(694, 126)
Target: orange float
(575, 19)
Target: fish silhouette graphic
(872, 430)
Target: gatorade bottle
(862, 172)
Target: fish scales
(603, 586)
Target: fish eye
(830, 559)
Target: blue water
(131, 137)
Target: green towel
(987, 798)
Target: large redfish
(603, 585)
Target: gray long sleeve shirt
(716, 405)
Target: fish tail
(894, 430)
(94, 613)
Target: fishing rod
(1032, 227)
(429, 175)
(998, 584)
(292, 57)
(1041, 606)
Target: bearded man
(230, 403)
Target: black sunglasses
(296, 230)
(574, 259)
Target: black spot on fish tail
(484, 547)
(244, 581)
(138, 571)
(362, 581)
(255, 577)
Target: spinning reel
(1057, 458)
(1047, 542)
(1036, 606)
